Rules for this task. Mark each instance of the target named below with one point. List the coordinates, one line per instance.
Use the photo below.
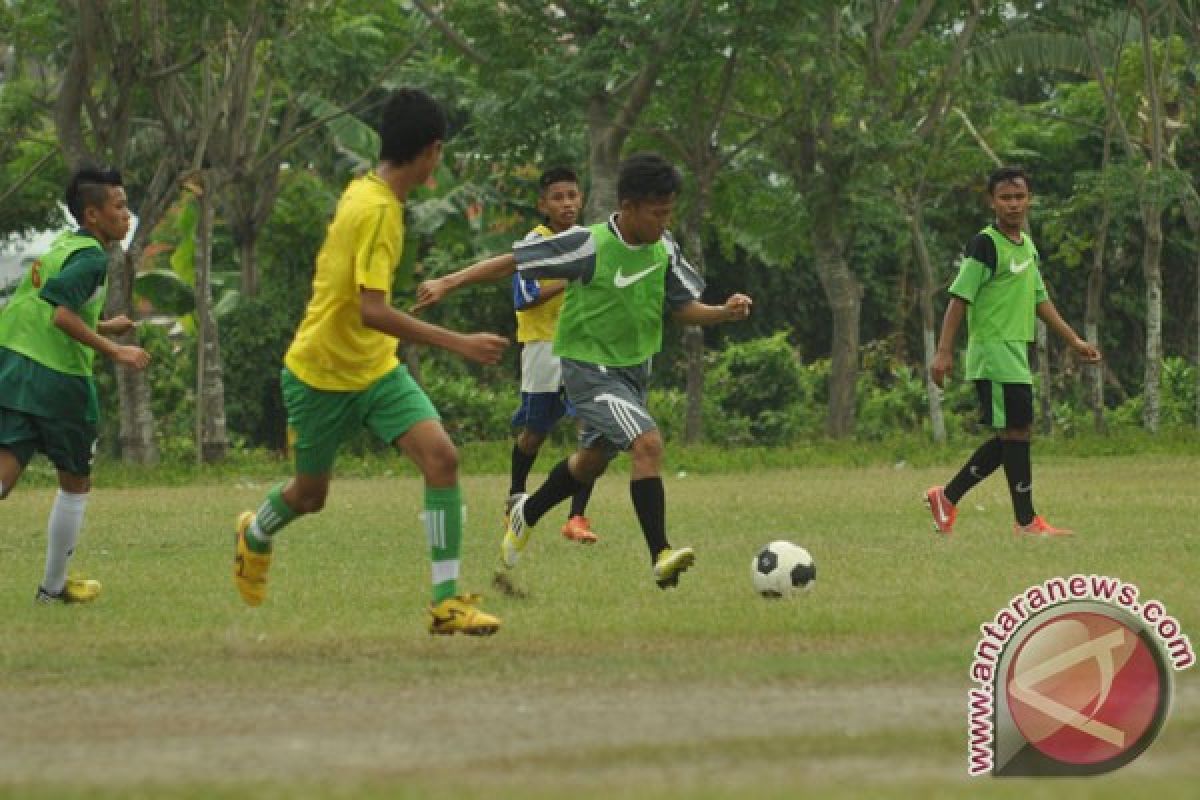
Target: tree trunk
(212, 443)
(1046, 395)
(916, 226)
(844, 292)
(1093, 303)
(1152, 271)
(248, 256)
(693, 335)
(604, 159)
(135, 437)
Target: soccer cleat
(75, 590)
(461, 615)
(670, 564)
(943, 511)
(516, 533)
(1039, 527)
(249, 568)
(578, 529)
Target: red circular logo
(1084, 688)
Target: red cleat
(944, 512)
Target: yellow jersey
(332, 350)
(536, 324)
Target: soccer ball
(781, 569)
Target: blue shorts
(541, 411)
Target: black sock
(1019, 471)
(522, 462)
(983, 462)
(559, 486)
(650, 503)
(579, 500)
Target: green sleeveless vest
(616, 318)
(27, 326)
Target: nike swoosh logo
(621, 280)
(1024, 487)
(1016, 268)
(975, 473)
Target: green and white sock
(270, 518)
(443, 520)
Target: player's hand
(485, 348)
(1087, 352)
(429, 293)
(117, 325)
(738, 306)
(942, 364)
(131, 356)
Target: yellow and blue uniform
(543, 401)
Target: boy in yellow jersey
(341, 373)
(543, 397)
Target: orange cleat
(1039, 527)
(578, 529)
(943, 511)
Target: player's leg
(317, 421)
(943, 500)
(398, 411)
(526, 445)
(1017, 438)
(649, 503)
(541, 378)
(70, 446)
(19, 439)
(578, 527)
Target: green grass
(599, 685)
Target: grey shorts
(610, 402)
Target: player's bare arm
(378, 314)
(73, 325)
(432, 291)
(736, 308)
(1086, 351)
(115, 326)
(943, 360)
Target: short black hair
(556, 175)
(88, 188)
(646, 176)
(1008, 175)
(412, 120)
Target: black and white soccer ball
(782, 569)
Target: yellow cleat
(249, 568)
(670, 564)
(75, 590)
(461, 615)
(516, 533)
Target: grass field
(599, 685)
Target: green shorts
(70, 444)
(319, 421)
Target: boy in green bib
(50, 332)
(621, 274)
(999, 290)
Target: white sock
(66, 520)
